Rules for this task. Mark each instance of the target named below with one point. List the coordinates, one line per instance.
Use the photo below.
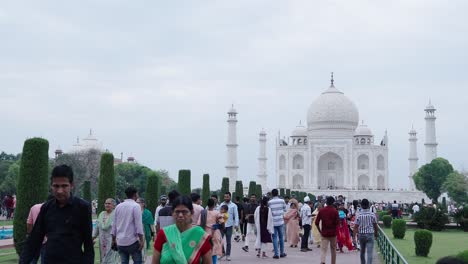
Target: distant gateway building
(334, 152)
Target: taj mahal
(334, 153)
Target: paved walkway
(294, 256)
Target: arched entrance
(298, 181)
(330, 170)
(381, 182)
(363, 182)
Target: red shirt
(161, 239)
(330, 220)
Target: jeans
(228, 233)
(41, 256)
(278, 234)
(305, 237)
(367, 244)
(133, 250)
(214, 259)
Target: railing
(388, 251)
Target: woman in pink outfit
(211, 220)
(291, 219)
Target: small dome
(299, 131)
(430, 107)
(363, 130)
(332, 110)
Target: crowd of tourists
(60, 230)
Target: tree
(259, 191)
(106, 180)
(184, 182)
(432, 176)
(85, 165)
(456, 187)
(8, 183)
(206, 189)
(87, 191)
(152, 192)
(163, 190)
(239, 190)
(32, 185)
(225, 186)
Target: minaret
(431, 143)
(231, 166)
(262, 159)
(413, 157)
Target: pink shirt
(196, 213)
(127, 223)
(33, 213)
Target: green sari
(183, 248)
(148, 220)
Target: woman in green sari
(148, 222)
(182, 243)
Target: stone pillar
(431, 142)
(413, 157)
(231, 164)
(262, 159)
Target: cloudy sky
(154, 79)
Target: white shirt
(306, 215)
(415, 208)
(156, 214)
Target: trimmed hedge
(382, 214)
(252, 188)
(422, 242)
(206, 189)
(152, 192)
(239, 190)
(87, 191)
(259, 191)
(106, 187)
(282, 192)
(31, 186)
(399, 228)
(431, 218)
(463, 256)
(387, 220)
(224, 186)
(288, 192)
(184, 182)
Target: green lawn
(445, 243)
(6, 223)
(8, 256)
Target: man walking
(278, 207)
(306, 216)
(66, 220)
(366, 228)
(197, 208)
(249, 218)
(330, 220)
(127, 230)
(165, 217)
(233, 221)
(162, 203)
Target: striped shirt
(366, 221)
(278, 207)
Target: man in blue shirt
(233, 221)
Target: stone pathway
(294, 256)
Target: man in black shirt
(249, 212)
(66, 220)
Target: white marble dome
(332, 110)
(363, 130)
(299, 131)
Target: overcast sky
(155, 79)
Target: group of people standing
(60, 230)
